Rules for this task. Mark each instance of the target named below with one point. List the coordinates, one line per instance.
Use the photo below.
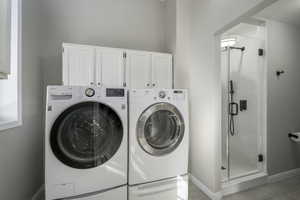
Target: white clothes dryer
(158, 135)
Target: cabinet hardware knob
(153, 84)
(148, 84)
(99, 84)
(92, 83)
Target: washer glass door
(86, 135)
(160, 129)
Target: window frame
(19, 121)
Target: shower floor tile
(238, 170)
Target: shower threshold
(238, 184)
(241, 176)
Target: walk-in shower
(243, 75)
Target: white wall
(170, 22)
(283, 96)
(177, 38)
(21, 149)
(134, 24)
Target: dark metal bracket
(291, 135)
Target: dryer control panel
(171, 94)
(179, 95)
(158, 95)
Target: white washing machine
(158, 135)
(86, 142)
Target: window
(228, 42)
(10, 87)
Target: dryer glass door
(86, 135)
(160, 129)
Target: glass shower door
(242, 113)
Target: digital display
(178, 91)
(111, 92)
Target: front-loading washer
(158, 135)
(85, 141)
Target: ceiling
(287, 11)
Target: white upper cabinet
(138, 67)
(110, 67)
(78, 65)
(162, 71)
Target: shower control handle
(233, 108)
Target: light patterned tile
(195, 193)
(285, 190)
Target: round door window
(160, 129)
(86, 135)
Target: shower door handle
(233, 108)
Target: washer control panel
(115, 92)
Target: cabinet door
(110, 67)
(162, 71)
(78, 65)
(139, 69)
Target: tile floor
(285, 190)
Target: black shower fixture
(238, 48)
(261, 52)
(279, 72)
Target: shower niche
(243, 78)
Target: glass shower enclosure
(242, 68)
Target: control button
(89, 92)
(162, 94)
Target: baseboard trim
(283, 175)
(39, 195)
(205, 189)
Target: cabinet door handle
(99, 84)
(148, 84)
(153, 84)
(92, 83)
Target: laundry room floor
(285, 190)
(195, 193)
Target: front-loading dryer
(158, 135)
(85, 141)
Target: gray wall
(134, 24)
(21, 151)
(177, 38)
(171, 26)
(283, 96)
